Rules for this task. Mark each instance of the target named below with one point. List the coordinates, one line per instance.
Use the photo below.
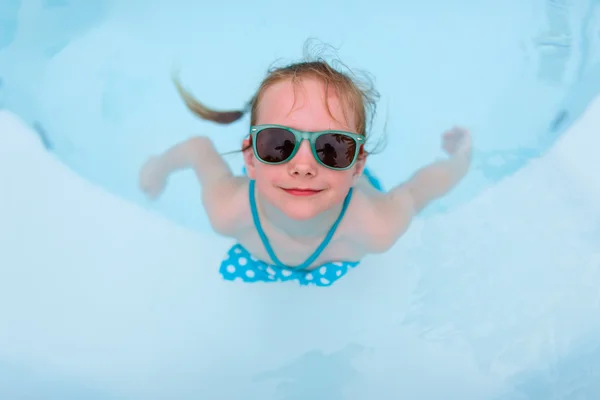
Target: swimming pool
(492, 294)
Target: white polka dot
(230, 269)
(226, 257)
(270, 271)
(250, 273)
(286, 272)
(243, 261)
(253, 258)
(338, 273)
(338, 264)
(324, 281)
(323, 270)
(237, 251)
(308, 277)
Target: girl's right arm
(197, 153)
(220, 189)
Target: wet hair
(358, 96)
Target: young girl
(307, 209)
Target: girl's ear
(249, 160)
(359, 167)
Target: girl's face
(302, 188)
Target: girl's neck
(314, 228)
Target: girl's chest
(293, 252)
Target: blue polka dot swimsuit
(240, 264)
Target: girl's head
(303, 100)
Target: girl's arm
(197, 153)
(437, 179)
(220, 188)
(396, 209)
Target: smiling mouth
(302, 192)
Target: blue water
(93, 79)
(460, 64)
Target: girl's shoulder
(371, 223)
(227, 205)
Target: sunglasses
(276, 144)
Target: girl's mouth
(302, 192)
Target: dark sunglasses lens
(275, 145)
(335, 150)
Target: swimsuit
(239, 263)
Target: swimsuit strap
(265, 240)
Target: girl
(307, 209)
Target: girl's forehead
(304, 103)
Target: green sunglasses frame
(312, 139)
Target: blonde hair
(359, 97)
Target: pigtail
(220, 117)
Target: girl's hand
(457, 142)
(152, 178)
